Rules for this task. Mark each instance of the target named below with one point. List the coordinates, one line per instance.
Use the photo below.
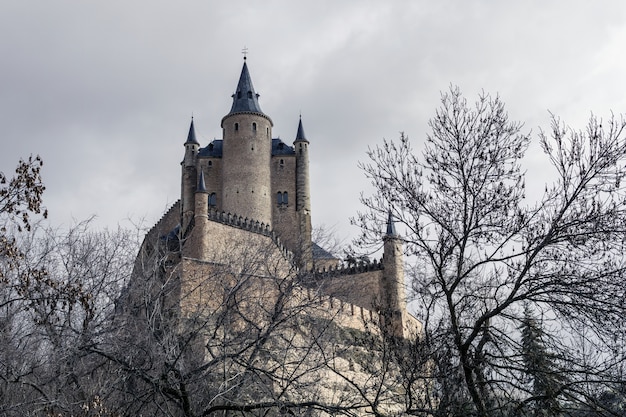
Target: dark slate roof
(213, 149)
(201, 183)
(191, 137)
(300, 135)
(281, 148)
(245, 99)
(320, 253)
(391, 227)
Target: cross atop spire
(244, 51)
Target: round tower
(188, 179)
(393, 295)
(303, 198)
(246, 155)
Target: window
(282, 198)
(254, 126)
(236, 127)
(249, 94)
(282, 163)
(210, 163)
(212, 200)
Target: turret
(189, 178)
(303, 198)
(247, 149)
(393, 296)
(199, 235)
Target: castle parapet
(250, 225)
(344, 269)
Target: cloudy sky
(104, 91)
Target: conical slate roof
(300, 135)
(191, 137)
(391, 227)
(245, 99)
(201, 183)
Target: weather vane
(244, 51)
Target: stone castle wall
(284, 217)
(212, 168)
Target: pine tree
(541, 369)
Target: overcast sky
(104, 91)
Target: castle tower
(393, 296)
(246, 155)
(303, 198)
(189, 179)
(199, 237)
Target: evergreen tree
(541, 368)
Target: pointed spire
(391, 227)
(201, 184)
(300, 135)
(245, 99)
(191, 137)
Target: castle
(240, 238)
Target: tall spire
(300, 135)
(191, 137)
(391, 227)
(245, 99)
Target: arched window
(285, 200)
(210, 163)
(254, 126)
(279, 198)
(236, 127)
(212, 200)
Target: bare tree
(482, 253)
(45, 368)
(241, 335)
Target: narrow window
(285, 200)
(212, 200)
(279, 198)
(210, 163)
(236, 127)
(282, 163)
(254, 126)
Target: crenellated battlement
(344, 269)
(164, 225)
(250, 225)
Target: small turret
(191, 147)
(198, 243)
(303, 197)
(189, 179)
(393, 296)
